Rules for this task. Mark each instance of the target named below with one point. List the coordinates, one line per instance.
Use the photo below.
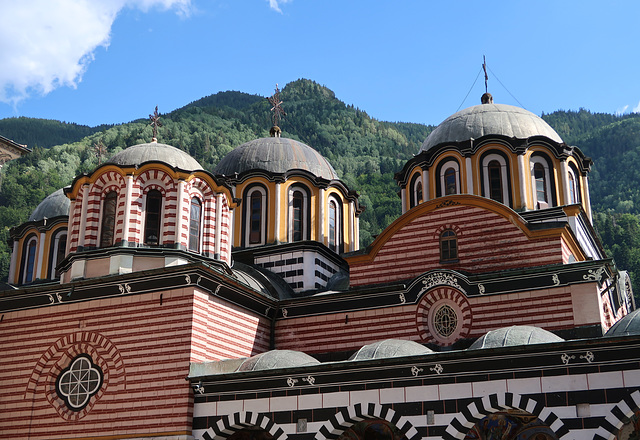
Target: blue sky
(112, 61)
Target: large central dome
(276, 155)
(484, 119)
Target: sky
(97, 62)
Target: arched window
(495, 181)
(255, 216)
(153, 211)
(58, 252)
(448, 246)
(297, 216)
(574, 185)
(335, 227)
(108, 224)
(195, 215)
(448, 180)
(495, 177)
(450, 183)
(415, 191)
(541, 182)
(28, 274)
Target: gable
(490, 236)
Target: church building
(153, 299)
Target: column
(522, 179)
(179, 214)
(127, 209)
(218, 231)
(83, 216)
(469, 172)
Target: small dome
(481, 120)
(141, 153)
(389, 348)
(629, 325)
(54, 205)
(277, 359)
(515, 335)
(276, 155)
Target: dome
(277, 359)
(54, 205)
(141, 153)
(629, 325)
(389, 348)
(515, 335)
(276, 155)
(484, 119)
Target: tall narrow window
(333, 219)
(495, 181)
(415, 190)
(194, 225)
(30, 262)
(574, 186)
(297, 216)
(450, 186)
(108, 224)
(541, 183)
(152, 218)
(255, 222)
(59, 249)
(543, 189)
(448, 246)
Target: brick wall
(487, 241)
(142, 343)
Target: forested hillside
(365, 153)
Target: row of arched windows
(298, 217)
(496, 181)
(29, 258)
(153, 215)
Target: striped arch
(433, 299)
(166, 181)
(202, 186)
(441, 229)
(481, 407)
(55, 359)
(108, 181)
(109, 178)
(228, 425)
(620, 414)
(349, 416)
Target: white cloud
(46, 44)
(636, 109)
(275, 4)
(622, 110)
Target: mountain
(364, 151)
(45, 133)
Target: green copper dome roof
(276, 155)
(484, 119)
(515, 335)
(153, 151)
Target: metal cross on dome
(155, 123)
(278, 111)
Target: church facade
(153, 299)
